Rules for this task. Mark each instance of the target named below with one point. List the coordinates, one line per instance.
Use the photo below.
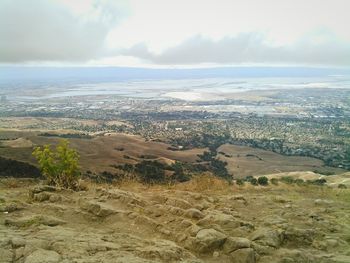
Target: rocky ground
(135, 223)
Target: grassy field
(244, 161)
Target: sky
(175, 33)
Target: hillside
(181, 223)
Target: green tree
(60, 167)
(263, 180)
(150, 172)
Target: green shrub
(59, 167)
(320, 182)
(248, 178)
(287, 179)
(342, 186)
(253, 181)
(179, 173)
(150, 172)
(263, 180)
(239, 182)
(299, 181)
(324, 172)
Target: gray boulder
(208, 240)
(194, 213)
(234, 243)
(268, 237)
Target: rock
(164, 250)
(185, 223)
(262, 250)
(244, 255)
(239, 198)
(19, 254)
(177, 202)
(17, 242)
(6, 255)
(51, 221)
(300, 237)
(193, 230)
(43, 256)
(227, 222)
(33, 220)
(55, 198)
(147, 221)
(327, 244)
(41, 197)
(96, 208)
(194, 213)
(181, 237)
(208, 240)
(174, 210)
(125, 197)
(273, 220)
(234, 243)
(203, 205)
(268, 237)
(10, 208)
(295, 255)
(210, 199)
(41, 188)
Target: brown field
(101, 152)
(245, 161)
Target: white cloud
(316, 48)
(44, 30)
(161, 24)
(169, 32)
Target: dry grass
(244, 161)
(204, 183)
(210, 184)
(16, 183)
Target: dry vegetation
(244, 161)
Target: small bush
(239, 182)
(324, 172)
(253, 181)
(59, 167)
(248, 178)
(287, 180)
(263, 180)
(320, 182)
(299, 181)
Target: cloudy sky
(175, 33)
